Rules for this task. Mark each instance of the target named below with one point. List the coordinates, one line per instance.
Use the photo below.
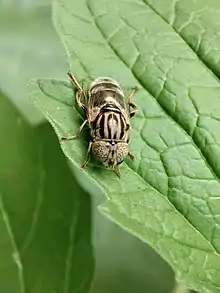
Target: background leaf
(123, 262)
(169, 196)
(45, 217)
(32, 49)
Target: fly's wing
(85, 96)
(97, 98)
(85, 88)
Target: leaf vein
(201, 60)
(16, 255)
(39, 202)
(68, 262)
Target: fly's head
(110, 153)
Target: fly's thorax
(110, 153)
(112, 125)
(92, 113)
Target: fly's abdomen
(106, 90)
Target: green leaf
(45, 219)
(197, 22)
(32, 49)
(170, 195)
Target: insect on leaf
(170, 195)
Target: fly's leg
(77, 133)
(79, 93)
(131, 156)
(87, 156)
(134, 112)
(130, 104)
(117, 171)
(130, 97)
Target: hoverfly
(108, 115)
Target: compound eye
(100, 150)
(122, 151)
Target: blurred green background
(29, 48)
